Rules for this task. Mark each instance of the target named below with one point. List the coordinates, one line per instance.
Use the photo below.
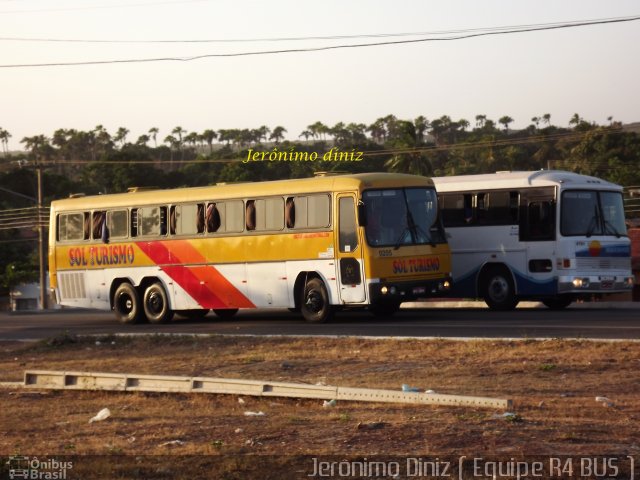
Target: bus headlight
(384, 290)
(581, 282)
(446, 285)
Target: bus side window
(163, 220)
(134, 222)
(482, 209)
(117, 223)
(97, 224)
(541, 221)
(213, 218)
(172, 220)
(71, 226)
(250, 221)
(200, 218)
(290, 213)
(87, 225)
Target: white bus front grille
(72, 285)
(603, 263)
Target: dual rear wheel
(153, 306)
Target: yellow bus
(313, 245)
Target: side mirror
(362, 214)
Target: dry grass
(553, 384)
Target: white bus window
(71, 227)
(274, 214)
(117, 223)
(232, 216)
(213, 217)
(184, 220)
(149, 221)
(318, 209)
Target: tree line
(99, 161)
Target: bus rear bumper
(382, 292)
(595, 283)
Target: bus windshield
(404, 216)
(590, 212)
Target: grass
(553, 384)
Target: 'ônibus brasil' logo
(595, 248)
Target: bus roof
(327, 183)
(520, 180)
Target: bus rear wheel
(315, 305)
(156, 304)
(126, 304)
(558, 303)
(225, 313)
(498, 289)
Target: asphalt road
(575, 322)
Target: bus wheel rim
(314, 302)
(498, 289)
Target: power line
(95, 7)
(307, 38)
(330, 47)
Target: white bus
(546, 235)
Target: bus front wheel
(156, 304)
(498, 289)
(126, 304)
(315, 306)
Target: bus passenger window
(87, 225)
(482, 208)
(213, 218)
(541, 221)
(200, 218)
(250, 215)
(274, 213)
(348, 237)
(290, 213)
(117, 223)
(134, 222)
(232, 216)
(71, 227)
(172, 220)
(97, 224)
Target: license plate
(419, 290)
(607, 282)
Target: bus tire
(126, 304)
(559, 302)
(498, 289)
(314, 305)
(194, 313)
(383, 310)
(156, 304)
(225, 313)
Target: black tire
(314, 304)
(126, 304)
(156, 304)
(558, 303)
(194, 313)
(498, 289)
(225, 313)
(383, 310)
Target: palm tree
(480, 121)
(153, 131)
(38, 146)
(546, 118)
(209, 136)
(277, 134)
(4, 138)
(121, 136)
(505, 121)
(306, 134)
(143, 140)
(575, 120)
(422, 125)
(179, 131)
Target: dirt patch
(553, 385)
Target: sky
(593, 71)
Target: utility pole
(42, 247)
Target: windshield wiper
(607, 225)
(401, 238)
(593, 223)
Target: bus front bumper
(398, 291)
(595, 283)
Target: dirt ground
(553, 384)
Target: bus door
(350, 272)
(538, 231)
